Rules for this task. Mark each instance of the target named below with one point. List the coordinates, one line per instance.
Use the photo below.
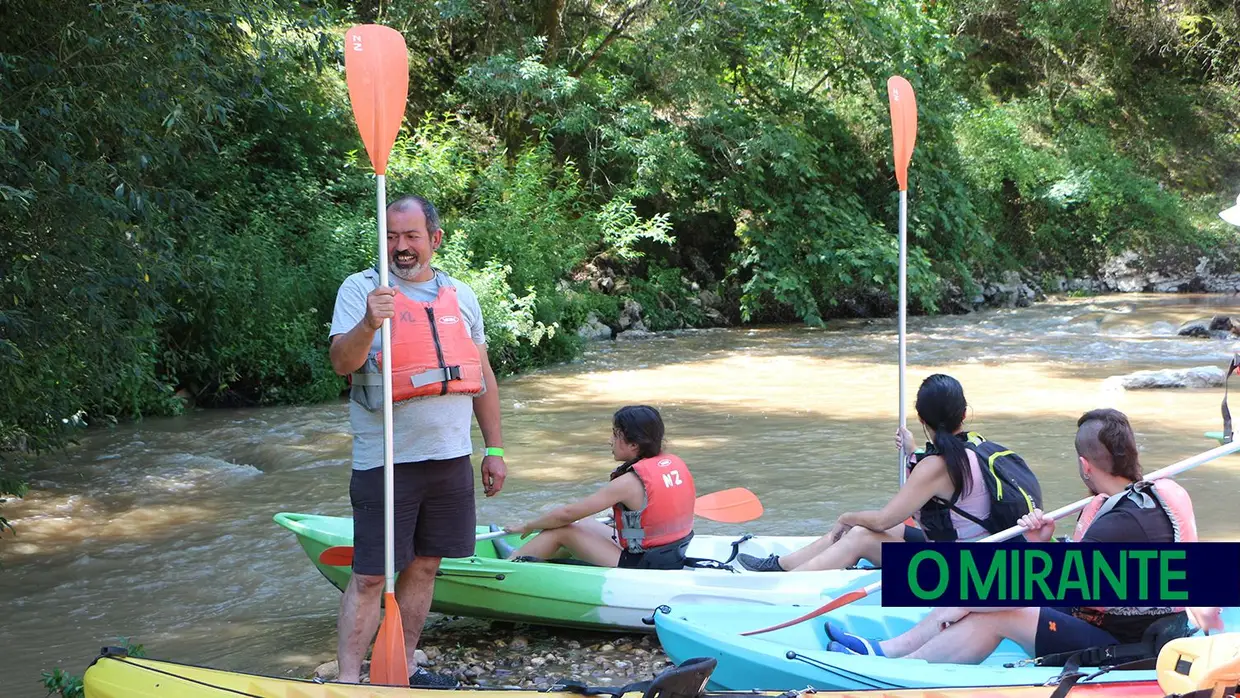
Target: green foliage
(667, 301)
(62, 683)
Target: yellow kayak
(1185, 665)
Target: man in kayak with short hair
(441, 377)
(1126, 509)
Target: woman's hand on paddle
(522, 528)
(904, 438)
(1039, 528)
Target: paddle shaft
(389, 472)
(1011, 532)
(903, 106)
(903, 465)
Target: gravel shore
(497, 654)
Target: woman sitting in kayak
(651, 496)
(944, 492)
(1126, 508)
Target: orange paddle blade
(376, 64)
(736, 505)
(337, 556)
(844, 600)
(388, 665)
(903, 125)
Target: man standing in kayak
(1125, 509)
(440, 377)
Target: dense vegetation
(182, 188)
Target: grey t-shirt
(430, 428)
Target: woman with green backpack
(960, 488)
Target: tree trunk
(553, 28)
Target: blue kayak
(795, 657)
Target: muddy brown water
(161, 531)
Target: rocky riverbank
(496, 654)
(1128, 272)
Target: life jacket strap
(435, 375)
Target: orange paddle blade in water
(736, 505)
(376, 64)
(903, 125)
(388, 665)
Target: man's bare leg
(357, 624)
(415, 588)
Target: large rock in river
(1197, 377)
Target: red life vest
(1170, 497)
(668, 514)
(432, 350)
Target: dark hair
(1105, 437)
(408, 201)
(941, 405)
(640, 425)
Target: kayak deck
(795, 657)
(585, 596)
(119, 676)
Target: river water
(161, 531)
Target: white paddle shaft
(389, 475)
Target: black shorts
(665, 557)
(435, 515)
(1060, 631)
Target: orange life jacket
(1167, 495)
(668, 514)
(432, 351)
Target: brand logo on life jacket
(449, 320)
(665, 462)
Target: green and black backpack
(1010, 483)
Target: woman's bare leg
(587, 540)
(858, 543)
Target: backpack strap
(971, 517)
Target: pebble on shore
(496, 654)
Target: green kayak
(585, 596)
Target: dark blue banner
(1061, 574)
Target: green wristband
(492, 451)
